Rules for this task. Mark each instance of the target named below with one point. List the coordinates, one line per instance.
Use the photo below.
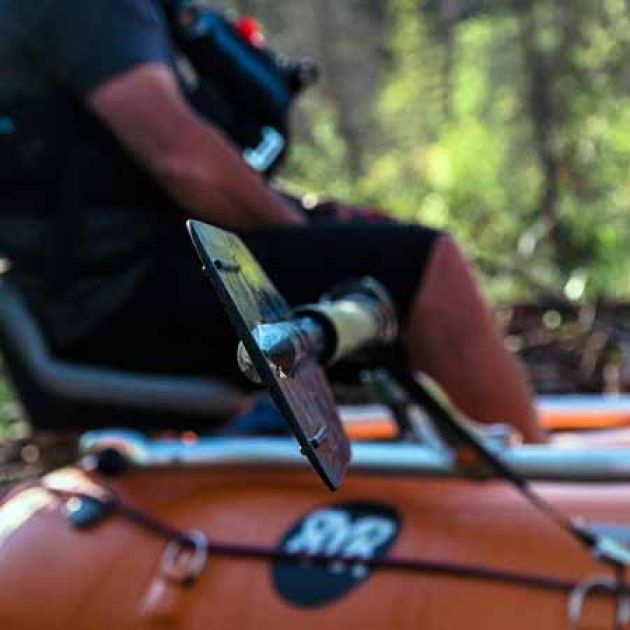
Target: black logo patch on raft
(353, 531)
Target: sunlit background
(505, 122)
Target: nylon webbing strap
(603, 548)
(112, 505)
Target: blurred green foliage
(507, 123)
(11, 419)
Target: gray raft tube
(535, 462)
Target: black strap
(603, 548)
(113, 505)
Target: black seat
(59, 395)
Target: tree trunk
(540, 107)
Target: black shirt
(78, 43)
(78, 218)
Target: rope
(258, 552)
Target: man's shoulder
(81, 43)
(18, 17)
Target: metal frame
(27, 351)
(539, 463)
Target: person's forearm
(192, 160)
(209, 179)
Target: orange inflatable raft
(557, 413)
(239, 533)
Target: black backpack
(244, 88)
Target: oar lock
(353, 317)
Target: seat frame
(61, 395)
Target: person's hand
(288, 207)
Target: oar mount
(353, 317)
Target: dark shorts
(174, 324)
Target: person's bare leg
(452, 336)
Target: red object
(250, 30)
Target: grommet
(184, 563)
(590, 586)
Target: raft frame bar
(534, 462)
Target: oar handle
(353, 317)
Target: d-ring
(589, 587)
(184, 562)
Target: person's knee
(448, 300)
